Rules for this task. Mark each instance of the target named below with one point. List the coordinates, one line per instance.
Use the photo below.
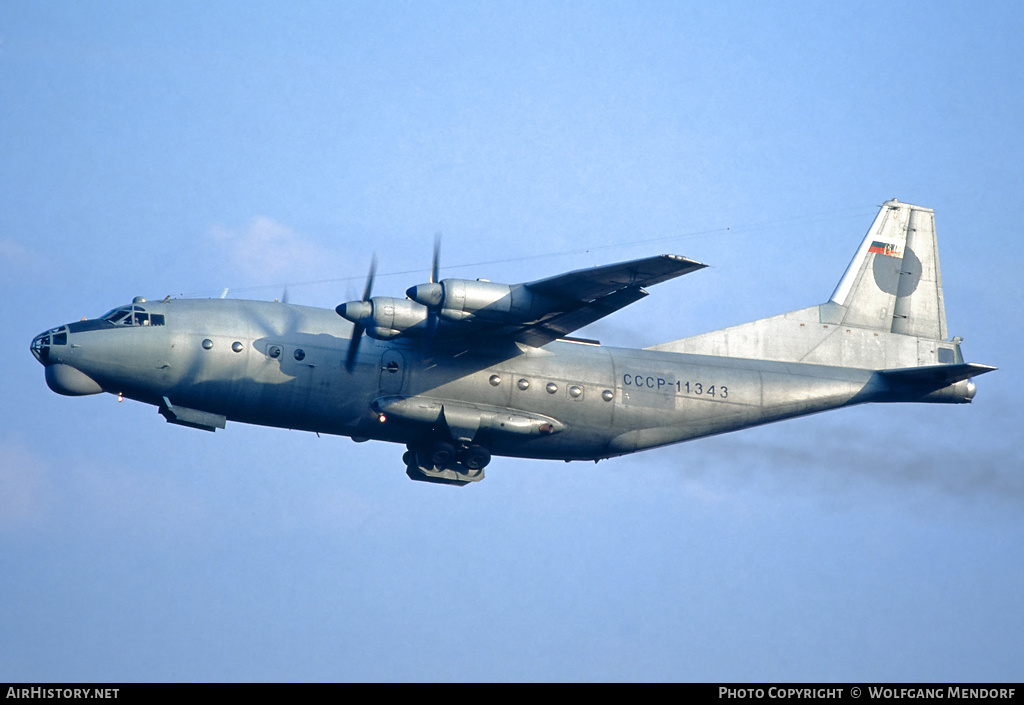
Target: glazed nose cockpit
(42, 342)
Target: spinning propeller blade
(436, 264)
(432, 311)
(346, 311)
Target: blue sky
(181, 148)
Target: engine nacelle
(458, 304)
(385, 317)
(463, 300)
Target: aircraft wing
(586, 295)
(585, 285)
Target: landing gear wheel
(471, 474)
(442, 455)
(443, 462)
(476, 458)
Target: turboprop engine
(449, 308)
(454, 301)
(463, 300)
(385, 317)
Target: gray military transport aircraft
(462, 370)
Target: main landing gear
(446, 463)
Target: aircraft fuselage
(281, 365)
(463, 369)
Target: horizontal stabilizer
(936, 375)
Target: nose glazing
(41, 348)
(41, 343)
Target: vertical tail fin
(894, 282)
(886, 313)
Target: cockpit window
(133, 316)
(115, 315)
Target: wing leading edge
(587, 295)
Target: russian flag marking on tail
(888, 249)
